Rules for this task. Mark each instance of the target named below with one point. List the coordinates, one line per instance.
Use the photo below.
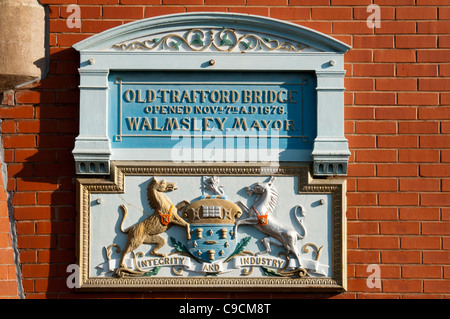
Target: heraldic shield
(212, 223)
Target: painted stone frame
(210, 42)
(226, 236)
(252, 274)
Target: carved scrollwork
(225, 40)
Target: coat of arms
(212, 244)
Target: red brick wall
(8, 278)
(397, 119)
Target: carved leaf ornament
(226, 41)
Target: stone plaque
(202, 137)
(190, 227)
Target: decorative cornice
(223, 40)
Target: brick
(419, 213)
(93, 2)
(37, 126)
(350, 2)
(261, 11)
(212, 2)
(25, 228)
(355, 199)
(400, 257)
(418, 127)
(372, 41)
(440, 56)
(445, 98)
(410, 271)
(363, 257)
(378, 213)
(146, 2)
(358, 55)
(436, 286)
(123, 12)
(359, 113)
(290, 13)
(377, 69)
(433, 2)
(20, 199)
(396, 27)
(69, 39)
(387, 271)
(418, 156)
(206, 9)
(402, 286)
(361, 13)
(376, 156)
(444, 70)
(359, 84)
(34, 155)
(96, 26)
(321, 26)
(30, 97)
(32, 212)
(436, 228)
(37, 184)
(8, 126)
(86, 12)
(61, 26)
(445, 127)
(379, 242)
(38, 241)
(441, 199)
(434, 170)
(433, 27)
(23, 111)
(361, 141)
(435, 141)
(351, 27)
(445, 156)
(157, 11)
(400, 227)
(359, 285)
(420, 242)
(379, 184)
(396, 84)
(7, 98)
(446, 185)
(394, 170)
(35, 271)
(374, 98)
(400, 55)
(419, 70)
(412, 98)
(416, 13)
(8, 288)
(444, 41)
(436, 257)
(396, 113)
(434, 113)
(361, 170)
(376, 127)
(397, 141)
(398, 199)
(341, 13)
(19, 141)
(54, 227)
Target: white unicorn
(259, 215)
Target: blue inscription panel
(251, 110)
